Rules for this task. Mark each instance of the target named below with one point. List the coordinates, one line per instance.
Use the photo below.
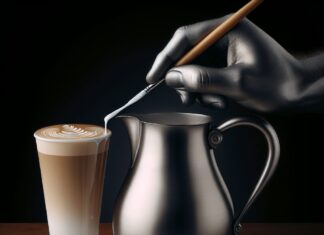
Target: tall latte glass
(72, 161)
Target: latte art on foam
(70, 131)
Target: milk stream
(136, 98)
(133, 100)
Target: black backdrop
(74, 64)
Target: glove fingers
(199, 79)
(214, 101)
(187, 98)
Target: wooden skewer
(218, 32)
(200, 47)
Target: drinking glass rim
(106, 134)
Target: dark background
(74, 64)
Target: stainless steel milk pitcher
(174, 186)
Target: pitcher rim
(203, 119)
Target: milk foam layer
(71, 140)
(70, 131)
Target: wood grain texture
(248, 229)
(39, 229)
(218, 32)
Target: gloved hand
(260, 74)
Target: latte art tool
(200, 47)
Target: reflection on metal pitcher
(174, 185)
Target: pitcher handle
(215, 136)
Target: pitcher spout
(134, 132)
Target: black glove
(260, 74)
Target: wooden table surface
(248, 229)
